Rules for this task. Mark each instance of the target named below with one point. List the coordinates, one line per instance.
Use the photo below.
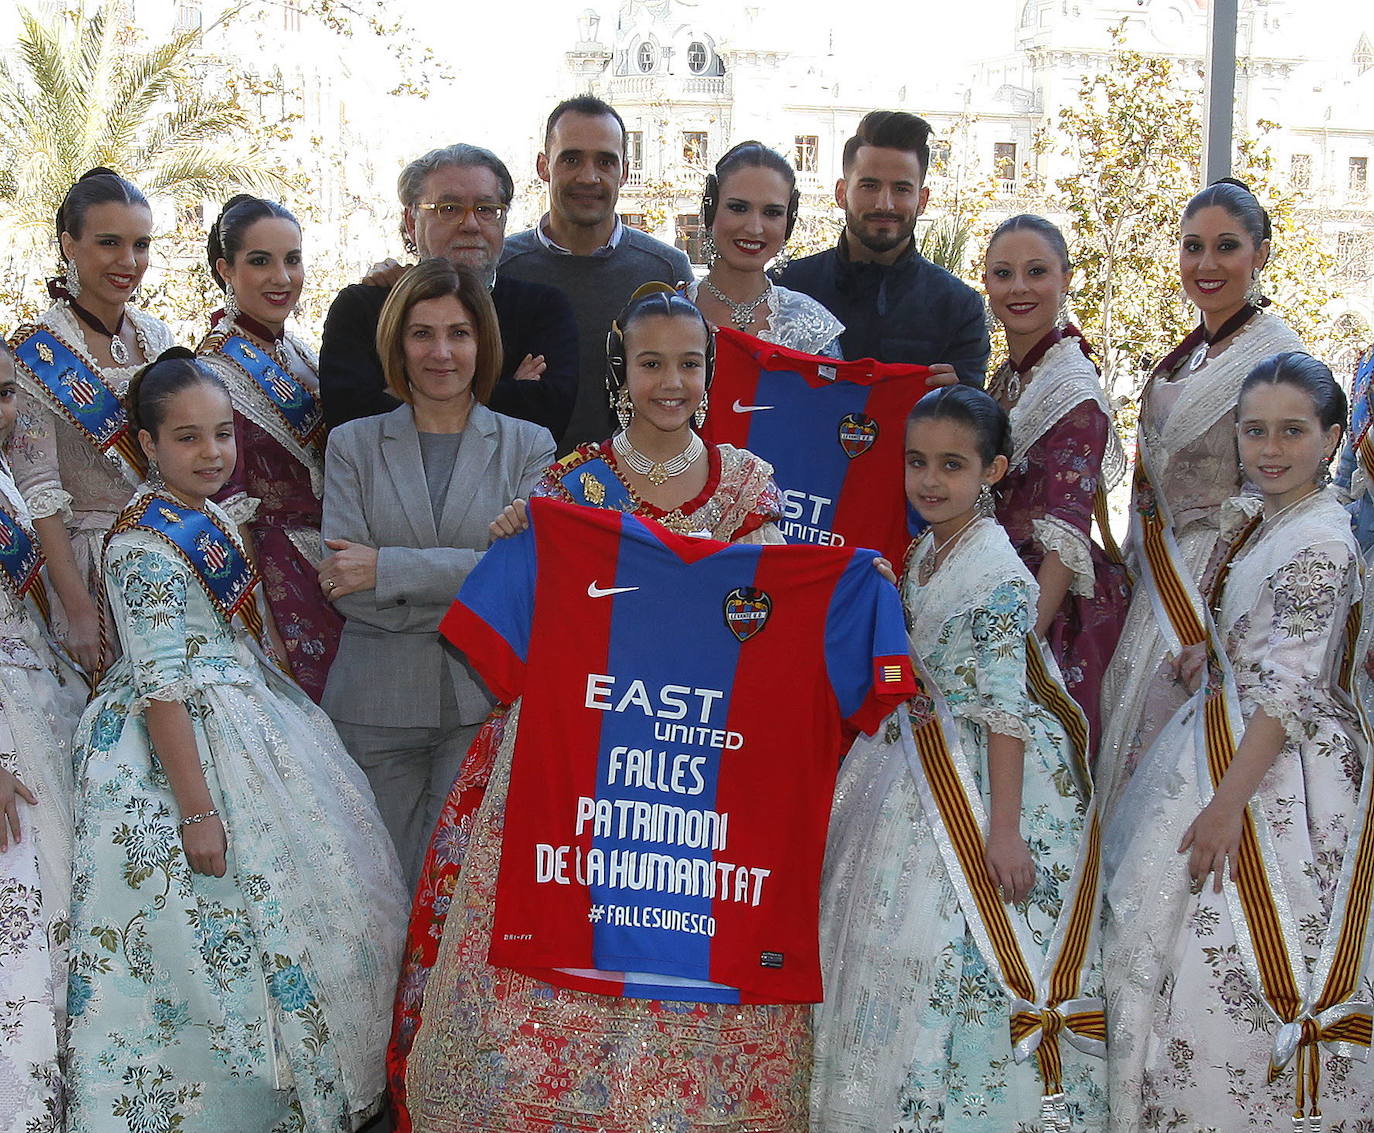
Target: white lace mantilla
(1056, 536)
(1214, 387)
(1062, 380)
(797, 322)
(981, 561)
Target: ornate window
(698, 57)
(806, 153)
(646, 57)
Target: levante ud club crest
(857, 434)
(746, 611)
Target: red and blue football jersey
(685, 706)
(834, 432)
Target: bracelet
(192, 819)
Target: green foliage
(945, 241)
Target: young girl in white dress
(955, 883)
(40, 697)
(1241, 858)
(237, 906)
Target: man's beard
(880, 244)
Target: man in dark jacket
(895, 304)
(455, 201)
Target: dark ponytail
(175, 369)
(975, 410)
(239, 213)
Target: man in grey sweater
(581, 247)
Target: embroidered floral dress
(286, 478)
(1064, 450)
(795, 321)
(913, 1034)
(1190, 1037)
(253, 1002)
(1188, 429)
(483, 1048)
(40, 696)
(58, 470)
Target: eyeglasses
(451, 212)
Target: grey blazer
(391, 660)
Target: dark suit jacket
(535, 319)
(912, 311)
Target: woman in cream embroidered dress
(748, 209)
(74, 492)
(477, 1047)
(275, 491)
(1064, 451)
(1187, 429)
(1190, 1037)
(236, 902)
(913, 1034)
(39, 698)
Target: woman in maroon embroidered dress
(1064, 452)
(254, 249)
(552, 1058)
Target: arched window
(646, 57)
(698, 57)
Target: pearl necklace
(657, 472)
(741, 314)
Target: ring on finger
(1196, 886)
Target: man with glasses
(455, 202)
(581, 246)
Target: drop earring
(73, 279)
(699, 417)
(709, 250)
(231, 302)
(1253, 295)
(624, 410)
(154, 477)
(987, 506)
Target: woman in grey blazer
(407, 502)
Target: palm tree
(79, 93)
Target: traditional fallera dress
(1065, 457)
(921, 999)
(71, 452)
(795, 321)
(279, 430)
(255, 1001)
(1193, 1035)
(1186, 467)
(557, 1059)
(40, 696)
(1355, 473)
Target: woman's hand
(531, 368)
(942, 374)
(883, 567)
(514, 518)
(1189, 665)
(205, 844)
(1010, 865)
(351, 568)
(82, 639)
(1213, 837)
(11, 791)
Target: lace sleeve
(147, 590)
(1073, 449)
(998, 694)
(1310, 598)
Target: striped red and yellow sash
(1046, 1002)
(1178, 605)
(1332, 1017)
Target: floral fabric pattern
(255, 1001)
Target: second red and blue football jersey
(834, 432)
(685, 704)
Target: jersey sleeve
(491, 617)
(866, 646)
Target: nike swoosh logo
(595, 591)
(740, 407)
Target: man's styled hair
(591, 107)
(890, 129)
(412, 178)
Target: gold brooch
(593, 489)
(45, 352)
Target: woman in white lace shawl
(748, 208)
(1202, 935)
(1187, 442)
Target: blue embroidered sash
(298, 408)
(590, 481)
(212, 553)
(21, 558)
(80, 394)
